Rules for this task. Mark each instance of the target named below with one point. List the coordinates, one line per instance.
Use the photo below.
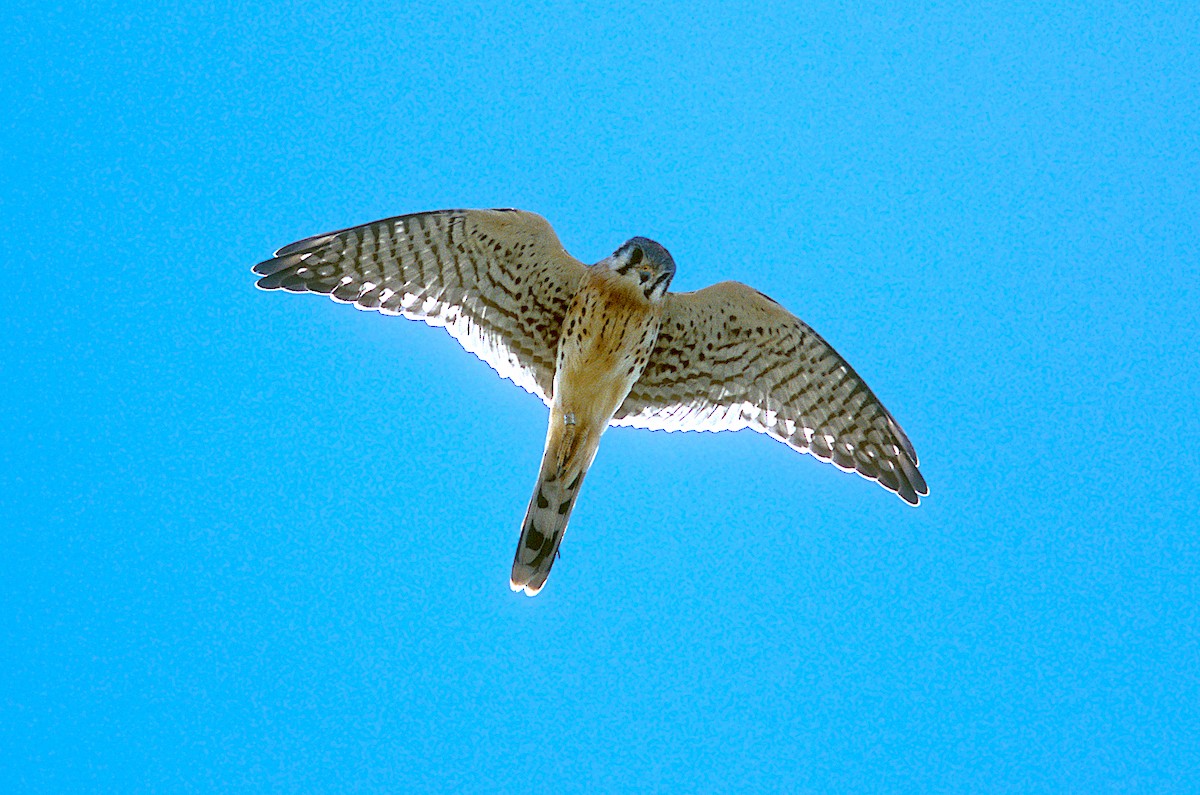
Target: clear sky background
(256, 542)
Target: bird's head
(646, 263)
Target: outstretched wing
(728, 357)
(498, 280)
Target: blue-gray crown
(649, 262)
(656, 254)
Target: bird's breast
(608, 334)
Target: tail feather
(543, 528)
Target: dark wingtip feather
(912, 482)
(888, 477)
(267, 267)
(919, 484)
(901, 437)
(307, 244)
(907, 493)
(272, 279)
(287, 258)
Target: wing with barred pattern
(498, 280)
(728, 357)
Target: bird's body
(608, 335)
(604, 345)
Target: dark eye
(635, 257)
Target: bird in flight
(604, 345)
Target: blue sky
(261, 542)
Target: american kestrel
(604, 345)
